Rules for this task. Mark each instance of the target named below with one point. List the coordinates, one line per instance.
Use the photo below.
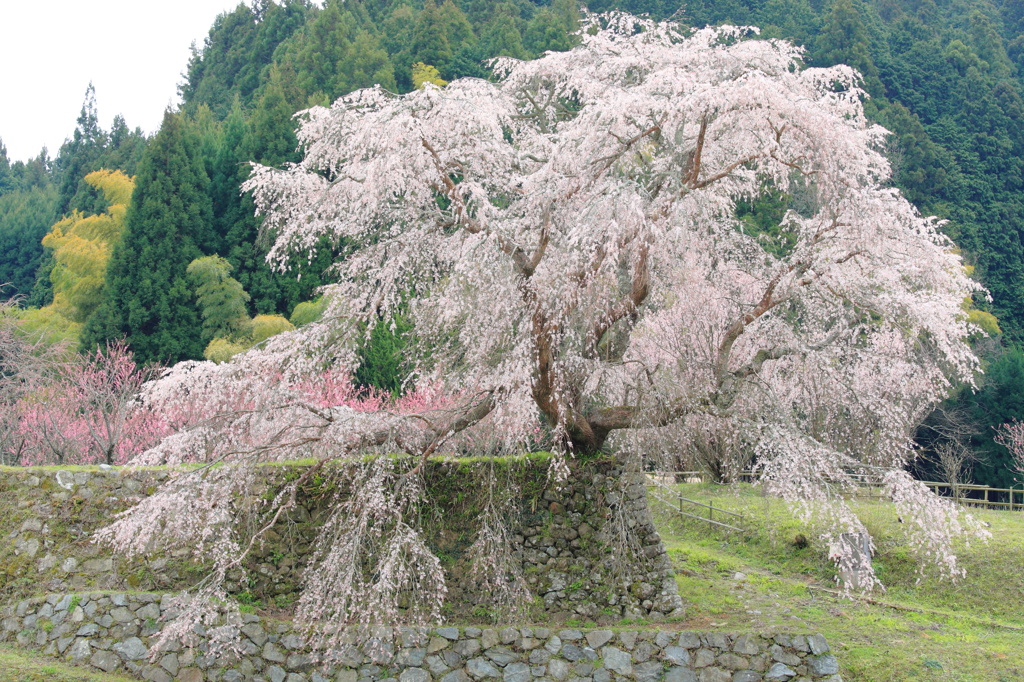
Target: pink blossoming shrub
(83, 410)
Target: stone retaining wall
(113, 632)
(563, 538)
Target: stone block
(437, 644)
(703, 658)
(617, 660)
(648, 672)
(467, 647)
(414, 675)
(732, 662)
(189, 675)
(255, 633)
(481, 668)
(106, 661)
(489, 638)
(779, 672)
(558, 669)
(80, 650)
(122, 614)
(818, 645)
(746, 676)
(436, 665)
(293, 642)
(517, 672)
(501, 655)
(642, 652)
(714, 675)
(170, 663)
(273, 654)
(553, 645)
(149, 612)
(155, 674)
(676, 655)
(747, 645)
(678, 674)
(131, 649)
(782, 656)
(411, 658)
(598, 638)
(456, 676)
(299, 662)
(819, 666)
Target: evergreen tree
(25, 217)
(78, 155)
(430, 39)
(457, 28)
(6, 178)
(552, 29)
(501, 37)
(147, 298)
(365, 64)
(316, 52)
(844, 40)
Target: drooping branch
(628, 307)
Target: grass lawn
(18, 665)
(926, 629)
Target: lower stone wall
(113, 632)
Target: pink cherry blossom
(566, 241)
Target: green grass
(17, 665)
(926, 629)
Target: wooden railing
(655, 481)
(962, 493)
(968, 494)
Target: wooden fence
(656, 480)
(1007, 499)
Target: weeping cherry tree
(565, 241)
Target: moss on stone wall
(565, 536)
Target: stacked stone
(568, 559)
(114, 633)
(59, 561)
(566, 549)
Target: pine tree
(147, 297)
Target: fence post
(711, 509)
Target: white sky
(133, 51)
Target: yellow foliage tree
(425, 73)
(82, 245)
